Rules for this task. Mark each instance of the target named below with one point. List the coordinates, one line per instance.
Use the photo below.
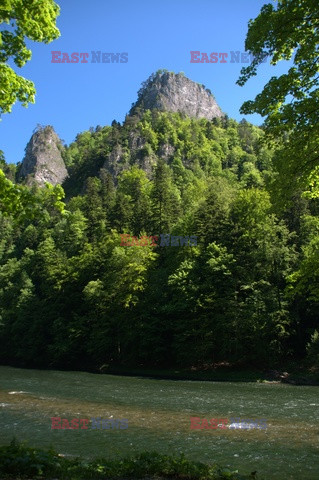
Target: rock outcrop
(171, 92)
(136, 153)
(43, 161)
(164, 91)
(168, 92)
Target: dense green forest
(72, 297)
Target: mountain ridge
(163, 91)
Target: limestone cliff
(170, 92)
(43, 161)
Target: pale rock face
(166, 151)
(119, 159)
(43, 161)
(172, 92)
(164, 91)
(167, 92)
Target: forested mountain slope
(72, 297)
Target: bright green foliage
(165, 199)
(18, 460)
(313, 348)
(289, 102)
(134, 185)
(25, 18)
(305, 281)
(71, 296)
(19, 201)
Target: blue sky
(156, 34)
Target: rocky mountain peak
(171, 92)
(43, 161)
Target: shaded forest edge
(296, 374)
(18, 461)
(293, 373)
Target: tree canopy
(71, 296)
(290, 102)
(25, 18)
